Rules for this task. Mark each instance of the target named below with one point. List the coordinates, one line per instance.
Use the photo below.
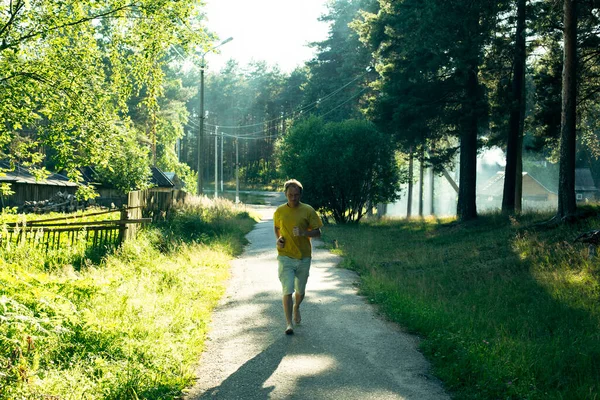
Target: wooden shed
(109, 196)
(159, 181)
(178, 184)
(27, 188)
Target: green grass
(81, 215)
(132, 326)
(505, 311)
(74, 252)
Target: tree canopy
(81, 77)
(344, 166)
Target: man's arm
(280, 240)
(315, 233)
(276, 229)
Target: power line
(300, 110)
(253, 135)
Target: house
(159, 181)
(109, 196)
(177, 182)
(585, 188)
(27, 188)
(535, 195)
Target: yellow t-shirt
(304, 217)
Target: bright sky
(276, 31)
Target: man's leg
(299, 298)
(286, 277)
(302, 273)
(287, 310)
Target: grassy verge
(132, 326)
(504, 312)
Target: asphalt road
(341, 350)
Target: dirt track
(341, 350)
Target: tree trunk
(432, 189)
(566, 180)
(421, 183)
(511, 200)
(519, 176)
(410, 184)
(466, 208)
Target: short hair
(292, 182)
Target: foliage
(429, 85)
(70, 70)
(547, 80)
(130, 327)
(505, 311)
(128, 169)
(5, 191)
(338, 75)
(86, 192)
(345, 167)
(205, 220)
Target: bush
(344, 166)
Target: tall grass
(505, 311)
(132, 326)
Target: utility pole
(222, 169)
(216, 161)
(201, 133)
(237, 172)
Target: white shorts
(293, 274)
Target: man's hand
(297, 231)
(280, 242)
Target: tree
(339, 73)
(129, 168)
(171, 120)
(512, 193)
(428, 55)
(343, 165)
(70, 70)
(566, 189)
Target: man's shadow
(250, 377)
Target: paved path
(342, 349)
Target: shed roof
(160, 179)
(21, 174)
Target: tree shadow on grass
(498, 320)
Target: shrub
(344, 166)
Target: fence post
(123, 226)
(135, 202)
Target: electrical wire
(254, 135)
(300, 110)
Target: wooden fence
(143, 206)
(152, 204)
(71, 231)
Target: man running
(295, 224)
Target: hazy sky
(276, 31)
